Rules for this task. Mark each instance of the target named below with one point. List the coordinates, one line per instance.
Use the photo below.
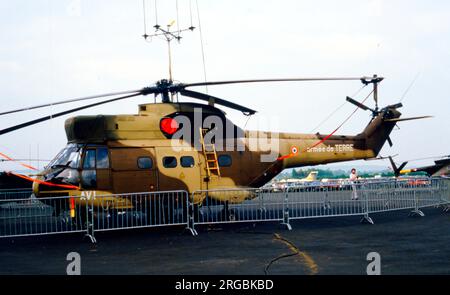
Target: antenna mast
(166, 34)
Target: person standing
(353, 178)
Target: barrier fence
(137, 210)
(29, 217)
(10, 194)
(22, 214)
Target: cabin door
(178, 170)
(134, 169)
(96, 170)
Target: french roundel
(294, 150)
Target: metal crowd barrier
(325, 201)
(137, 210)
(66, 214)
(226, 206)
(407, 193)
(27, 216)
(30, 217)
(10, 194)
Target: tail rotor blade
(407, 119)
(395, 106)
(358, 104)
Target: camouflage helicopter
(171, 145)
(441, 167)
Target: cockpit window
(96, 158)
(63, 168)
(69, 157)
(102, 158)
(89, 160)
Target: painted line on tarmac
(304, 256)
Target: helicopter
(441, 167)
(172, 145)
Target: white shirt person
(353, 177)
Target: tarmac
(323, 246)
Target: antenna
(166, 33)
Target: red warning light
(168, 125)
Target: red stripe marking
(22, 164)
(326, 137)
(68, 186)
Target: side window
(89, 174)
(187, 162)
(102, 158)
(145, 163)
(89, 178)
(89, 159)
(224, 160)
(169, 162)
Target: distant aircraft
(312, 176)
(440, 168)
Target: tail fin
(380, 127)
(394, 167)
(312, 176)
(397, 170)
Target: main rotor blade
(407, 119)
(275, 80)
(42, 119)
(213, 99)
(358, 104)
(69, 100)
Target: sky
(56, 50)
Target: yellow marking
(310, 263)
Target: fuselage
(160, 149)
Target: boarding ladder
(209, 150)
